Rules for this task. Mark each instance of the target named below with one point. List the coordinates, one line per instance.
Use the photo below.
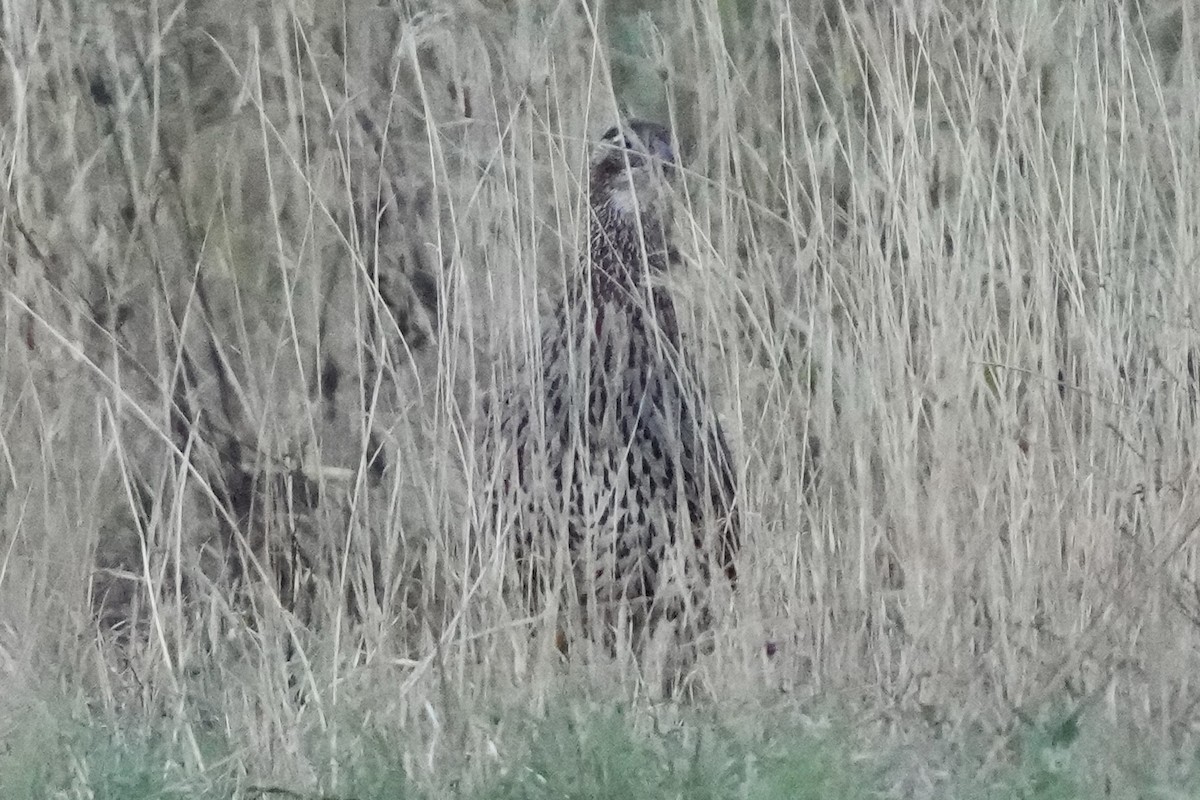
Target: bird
(611, 470)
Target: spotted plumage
(612, 472)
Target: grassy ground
(582, 750)
(262, 260)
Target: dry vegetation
(261, 259)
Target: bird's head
(631, 170)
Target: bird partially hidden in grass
(612, 472)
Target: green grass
(601, 756)
(597, 752)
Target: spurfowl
(611, 470)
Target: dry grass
(956, 245)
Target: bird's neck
(622, 256)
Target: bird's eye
(616, 138)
